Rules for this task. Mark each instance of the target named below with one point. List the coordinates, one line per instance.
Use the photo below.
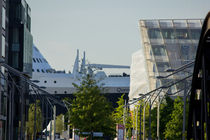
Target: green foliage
(119, 112)
(30, 123)
(166, 109)
(90, 111)
(174, 126)
(59, 123)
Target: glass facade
(168, 44)
(3, 86)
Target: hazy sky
(106, 29)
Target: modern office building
(3, 56)
(168, 44)
(20, 58)
(15, 50)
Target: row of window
(54, 82)
(174, 33)
(39, 60)
(41, 70)
(185, 51)
(65, 92)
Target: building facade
(4, 56)
(16, 51)
(168, 44)
(20, 58)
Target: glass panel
(162, 66)
(182, 34)
(3, 18)
(188, 53)
(152, 23)
(168, 33)
(194, 23)
(185, 52)
(166, 24)
(3, 47)
(173, 55)
(195, 33)
(154, 33)
(159, 50)
(180, 24)
(2, 79)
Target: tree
(59, 123)
(30, 122)
(119, 111)
(90, 111)
(174, 126)
(166, 109)
(122, 114)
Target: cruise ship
(59, 83)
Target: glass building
(3, 56)
(168, 44)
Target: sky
(107, 30)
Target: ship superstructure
(60, 82)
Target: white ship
(60, 82)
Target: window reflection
(195, 33)
(168, 33)
(3, 47)
(182, 34)
(154, 33)
(159, 50)
(3, 18)
(162, 66)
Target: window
(159, 50)
(37, 70)
(182, 34)
(54, 81)
(185, 52)
(154, 33)
(34, 60)
(37, 60)
(3, 18)
(195, 33)
(65, 92)
(32, 70)
(42, 71)
(55, 92)
(154, 69)
(45, 81)
(168, 33)
(40, 60)
(3, 47)
(162, 66)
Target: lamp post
(65, 102)
(184, 100)
(136, 122)
(184, 111)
